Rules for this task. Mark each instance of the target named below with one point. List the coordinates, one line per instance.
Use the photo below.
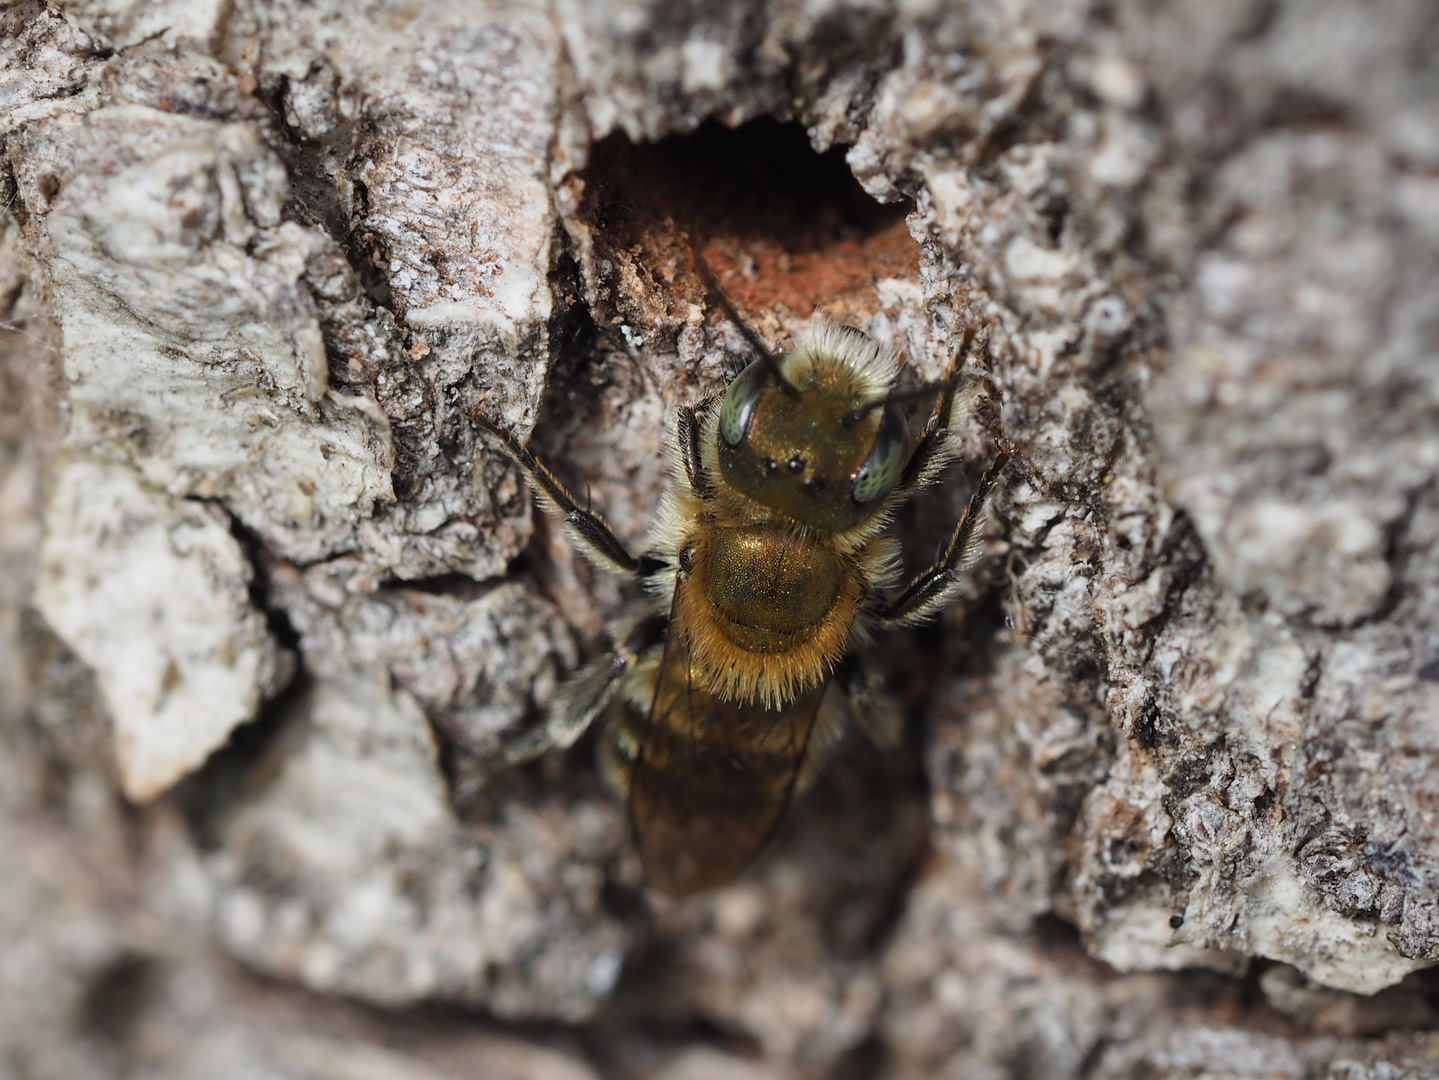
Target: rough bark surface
(271, 603)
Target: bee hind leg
(930, 591)
(628, 671)
(620, 748)
(626, 723)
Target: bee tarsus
(596, 538)
(928, 592)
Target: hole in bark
(1147, 725)
(260, 560)
(783, 227)
(1306, 109)
(1054, 934)
(866, 1061)
(115, 999)
(1260, 19)
(1056, 213)
(207, 796)
(460, 586)
(49, 186)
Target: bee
(767, 572)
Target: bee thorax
(771, 583)
(769, 611)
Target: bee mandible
(766, 573)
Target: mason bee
(766, 573)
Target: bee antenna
(14, 328)
(899, 398)
(716, 291)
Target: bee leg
(874, 712)
(854, 697)
(930, 452)
(620, 748)
(626, 724)
(575, 707)
(687, 433)
(835, 714)
(687, 440)
(590, 690)
(628, 672)
(929, 592)
(595, 537)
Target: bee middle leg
(929, 592)
(873, 711)
(588, 528)
(854, 697)
(590, 691)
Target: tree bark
(272, 603)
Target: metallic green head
(813, 451)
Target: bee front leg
(930, 591)
(931, 451)
(591, 533)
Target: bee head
(813, 437)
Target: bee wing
(713, 777)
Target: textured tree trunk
(271, 602)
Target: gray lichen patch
(193, 349)
(153, 593)
(1306, 312)
(348, 872)
(1205, 814)
(479, 661)
(424, 140)
(1031, 1001)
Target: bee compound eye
(739, 403)
(882, 469)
